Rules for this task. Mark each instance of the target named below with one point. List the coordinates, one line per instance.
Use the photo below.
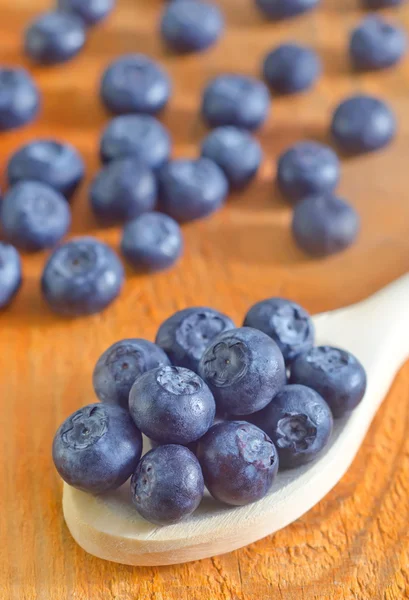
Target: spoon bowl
(376, 331)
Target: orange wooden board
(354, 544)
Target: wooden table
(354, 544)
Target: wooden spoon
(377, 332)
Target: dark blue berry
(244, 368)
(167, 485)
(376, 44)
(191, 25)
(139, 136)
(135, 83)
(34, 216)
(90, 11)
(82, 277)
(363, 124)
(335, 374)
(192, 189)
(97, 448)
(307, 168)
(152, 242)
(283, 9)
(10, 273)
(236, 152)
(186, 334)
(57, 164)
(172, 405)
(299, 422)
(54, 37)
(235, 100)
(120, 365)
(19, 98)
(239, 462)
(123, 190)
(291, 68)
(286, 322)
(324, 225)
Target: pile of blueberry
(139, 185)
(223, 407)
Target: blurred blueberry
(152, 242)
(123, 190)
(291, 68)
(58, 164)
(363, 124)
(191, 189)
(307, 168)
(283, 9)
(34, 216)
(54, 37)
(376, 44)
(10, 273)
(191, 25)
(236, 152)
(140, 136)
(82, 277)
(134, 83)
(19, 98)
(90, 11)
(235, 100)
(324, 225)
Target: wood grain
(354, 544)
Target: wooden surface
(355, 543)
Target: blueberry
(57, 164)
(186, 334)
(291, 68)
(286, 322)
(19, 98)
(152, 242)
(167, 485)
(123, 190)
(363, 124)
(244, 369)
(299, 422)
(376, 44)
(97, 448)
(34, 216)
(283, 9)
(191, 25)
(134, 83)
(239, 462)
(172, 405)
(335, 374)
(324, 225)
(235, 100)
(236, 152)
(374, 4)
(192, 189)
(82, 277)
(54, 37)
(120, 365)
(90, 11)
(140, 136)
(10, 273)
(307, 168)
